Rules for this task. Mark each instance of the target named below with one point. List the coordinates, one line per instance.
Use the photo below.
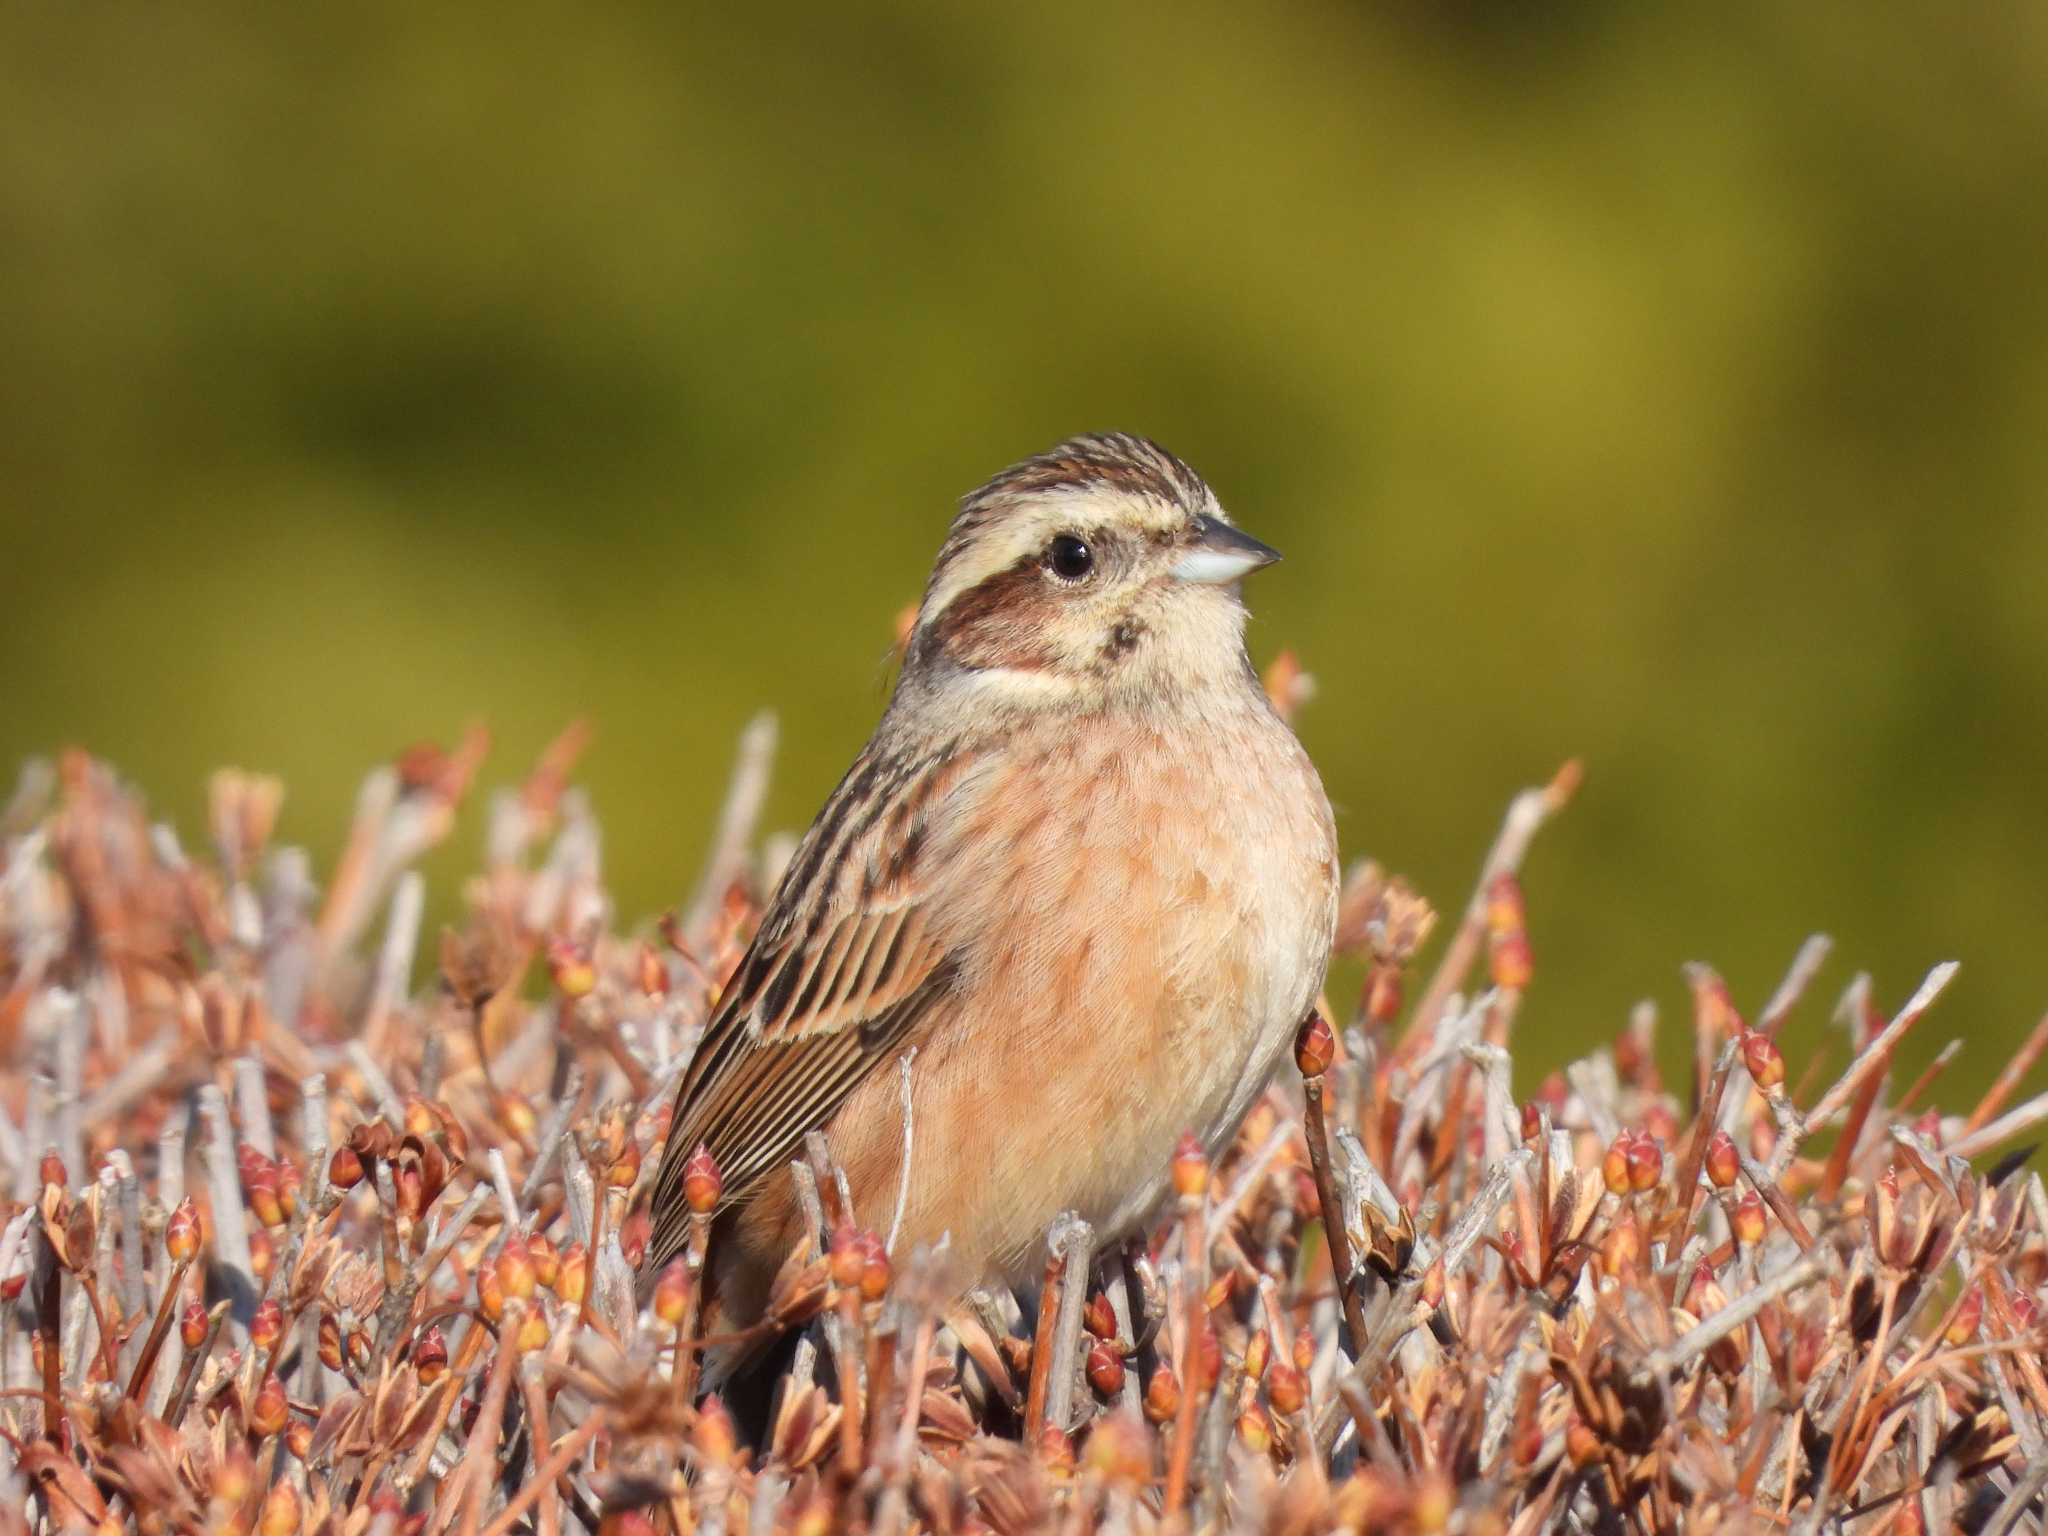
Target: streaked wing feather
(841, 973)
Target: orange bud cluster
(1099, 1317)
(1633, 1163)
(572, 1274)
(1190, 1168)
(1969, 1313)
(181, 1233)
(430, 1355)
(1747, 1221)
(570, 969)
(703, 1185)
(262, 1254)
(1286, 1387)
(1255, 1429)
(261, 1186)
(1764, 1061)
(1723, 1162)
(1162, 1396)
(1383, 988)
(1105, 1368)
(281, 1511)
(1507, 932)
(266, 1328)
(540, 1253)
(1315, 1047)
(345, 1168)
(671, 1299)
(269, 1408)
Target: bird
(1069, 903)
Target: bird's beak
(1221, 554)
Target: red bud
(1315, 1047)
(703, 1184)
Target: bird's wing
(842, 971)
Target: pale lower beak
(1221, 554)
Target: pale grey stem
(450, 1232)
(1813, 954)
(388, 1103)
(1219, 1416)
(106, 1236)
(2023, 1422)
(433, 1061)
(1224, 1211)
(77, 1319)
(1504, 1390)
(1485, 1206)
(807, 1198)
(582, 1193)
(2023, 1494)
(553, 1133)
(374, 803)
(288, 899)
(665, 1083)
(170, 1185)
(313, 1137)
(903, 1179)
(1397, 1313)
(2016, 1504)
(35, 1135)
(1364, 1179)
(2023, 1117)
(230, 1222)
(14, 1242)
(814, 1213)
(744, 796)
(1526, 814)
(803, 1365)
(13, 1146)
(127, 1203)
(1503, 1123)
(1778, 1461)
(1936, 1499)
(1074, 1240)
(839, 1182)
(1126, 1329)
(252, 1106)
(68, 1024)
(615, 1281)
(1868, 1060)
(396, 1304)
(1432, 1076)
(401, 940)
(135, 1077)
(501, 1181)
(769, 1492)
(1709, 1332)
(1599, 1105)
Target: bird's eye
(1069, 557)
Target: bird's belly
(1144, 989)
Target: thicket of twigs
(296, 1245)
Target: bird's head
(1103, 568)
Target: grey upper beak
(1221, 554)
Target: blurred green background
(1663, 386)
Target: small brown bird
(1081, 870)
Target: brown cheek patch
(999, 622)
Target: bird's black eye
(1069, 557)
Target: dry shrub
(293, 1245)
